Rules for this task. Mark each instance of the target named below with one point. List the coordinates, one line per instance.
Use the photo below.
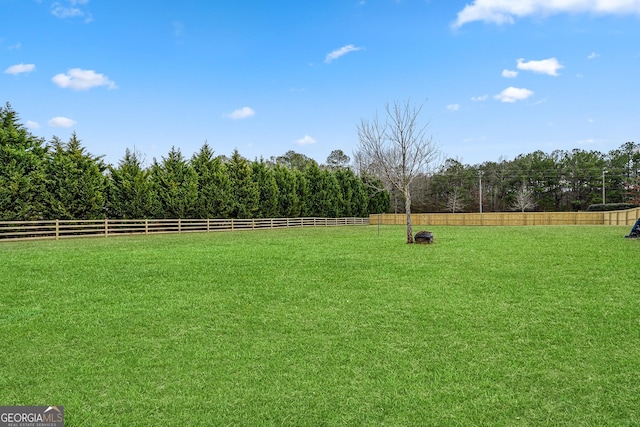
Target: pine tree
(130, 194)
(315, 200)
(332, 202)
(354, 193)
(244, 190)
(302, 191)
(288, 198)
(175, 183)
(22, 170)
(267, 189)
(379, 201)
(346, 189)
(214, 186)
(360, 198)
(76, 183)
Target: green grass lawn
(513, 326)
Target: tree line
(563, 180)
(61, 180)
(398, 151)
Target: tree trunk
(407, 207)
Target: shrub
(610, 207)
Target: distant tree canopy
(563, 180)
(61, 180)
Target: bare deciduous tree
(455, 200)
(397, 150)
(524, 200)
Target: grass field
(345, 326)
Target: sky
(495, 78)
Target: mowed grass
(514, 326)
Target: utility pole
(480, 188)
(603, 191)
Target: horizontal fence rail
(626, 217)
(60, 229)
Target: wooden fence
(626, 217)
(60, 229)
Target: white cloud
(513, 94)
(61, 122)
(505, 11)
(340, 52)
(453, 107)
(593, 55)
(32, 125)
(479, 98)
(306, 140)
(20, 68)
(62, 12)
(509, 74)
(546, 66)
(79, 79)
(71, 9)
(242, 113)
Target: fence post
(208, 220)
(106, 227)
(57, 229)
(146, 226)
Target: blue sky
(498, 78)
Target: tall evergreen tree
(288, 198)
(302, 191)
(244, 190)
(130, 194)
(378, 201)
(22, 170)
(214, 186)
(75, 182)
(354, 194)
(267, 189)
(324, 197)
(316, 197)
(346, 190)
(175, 183)
(334, 204)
